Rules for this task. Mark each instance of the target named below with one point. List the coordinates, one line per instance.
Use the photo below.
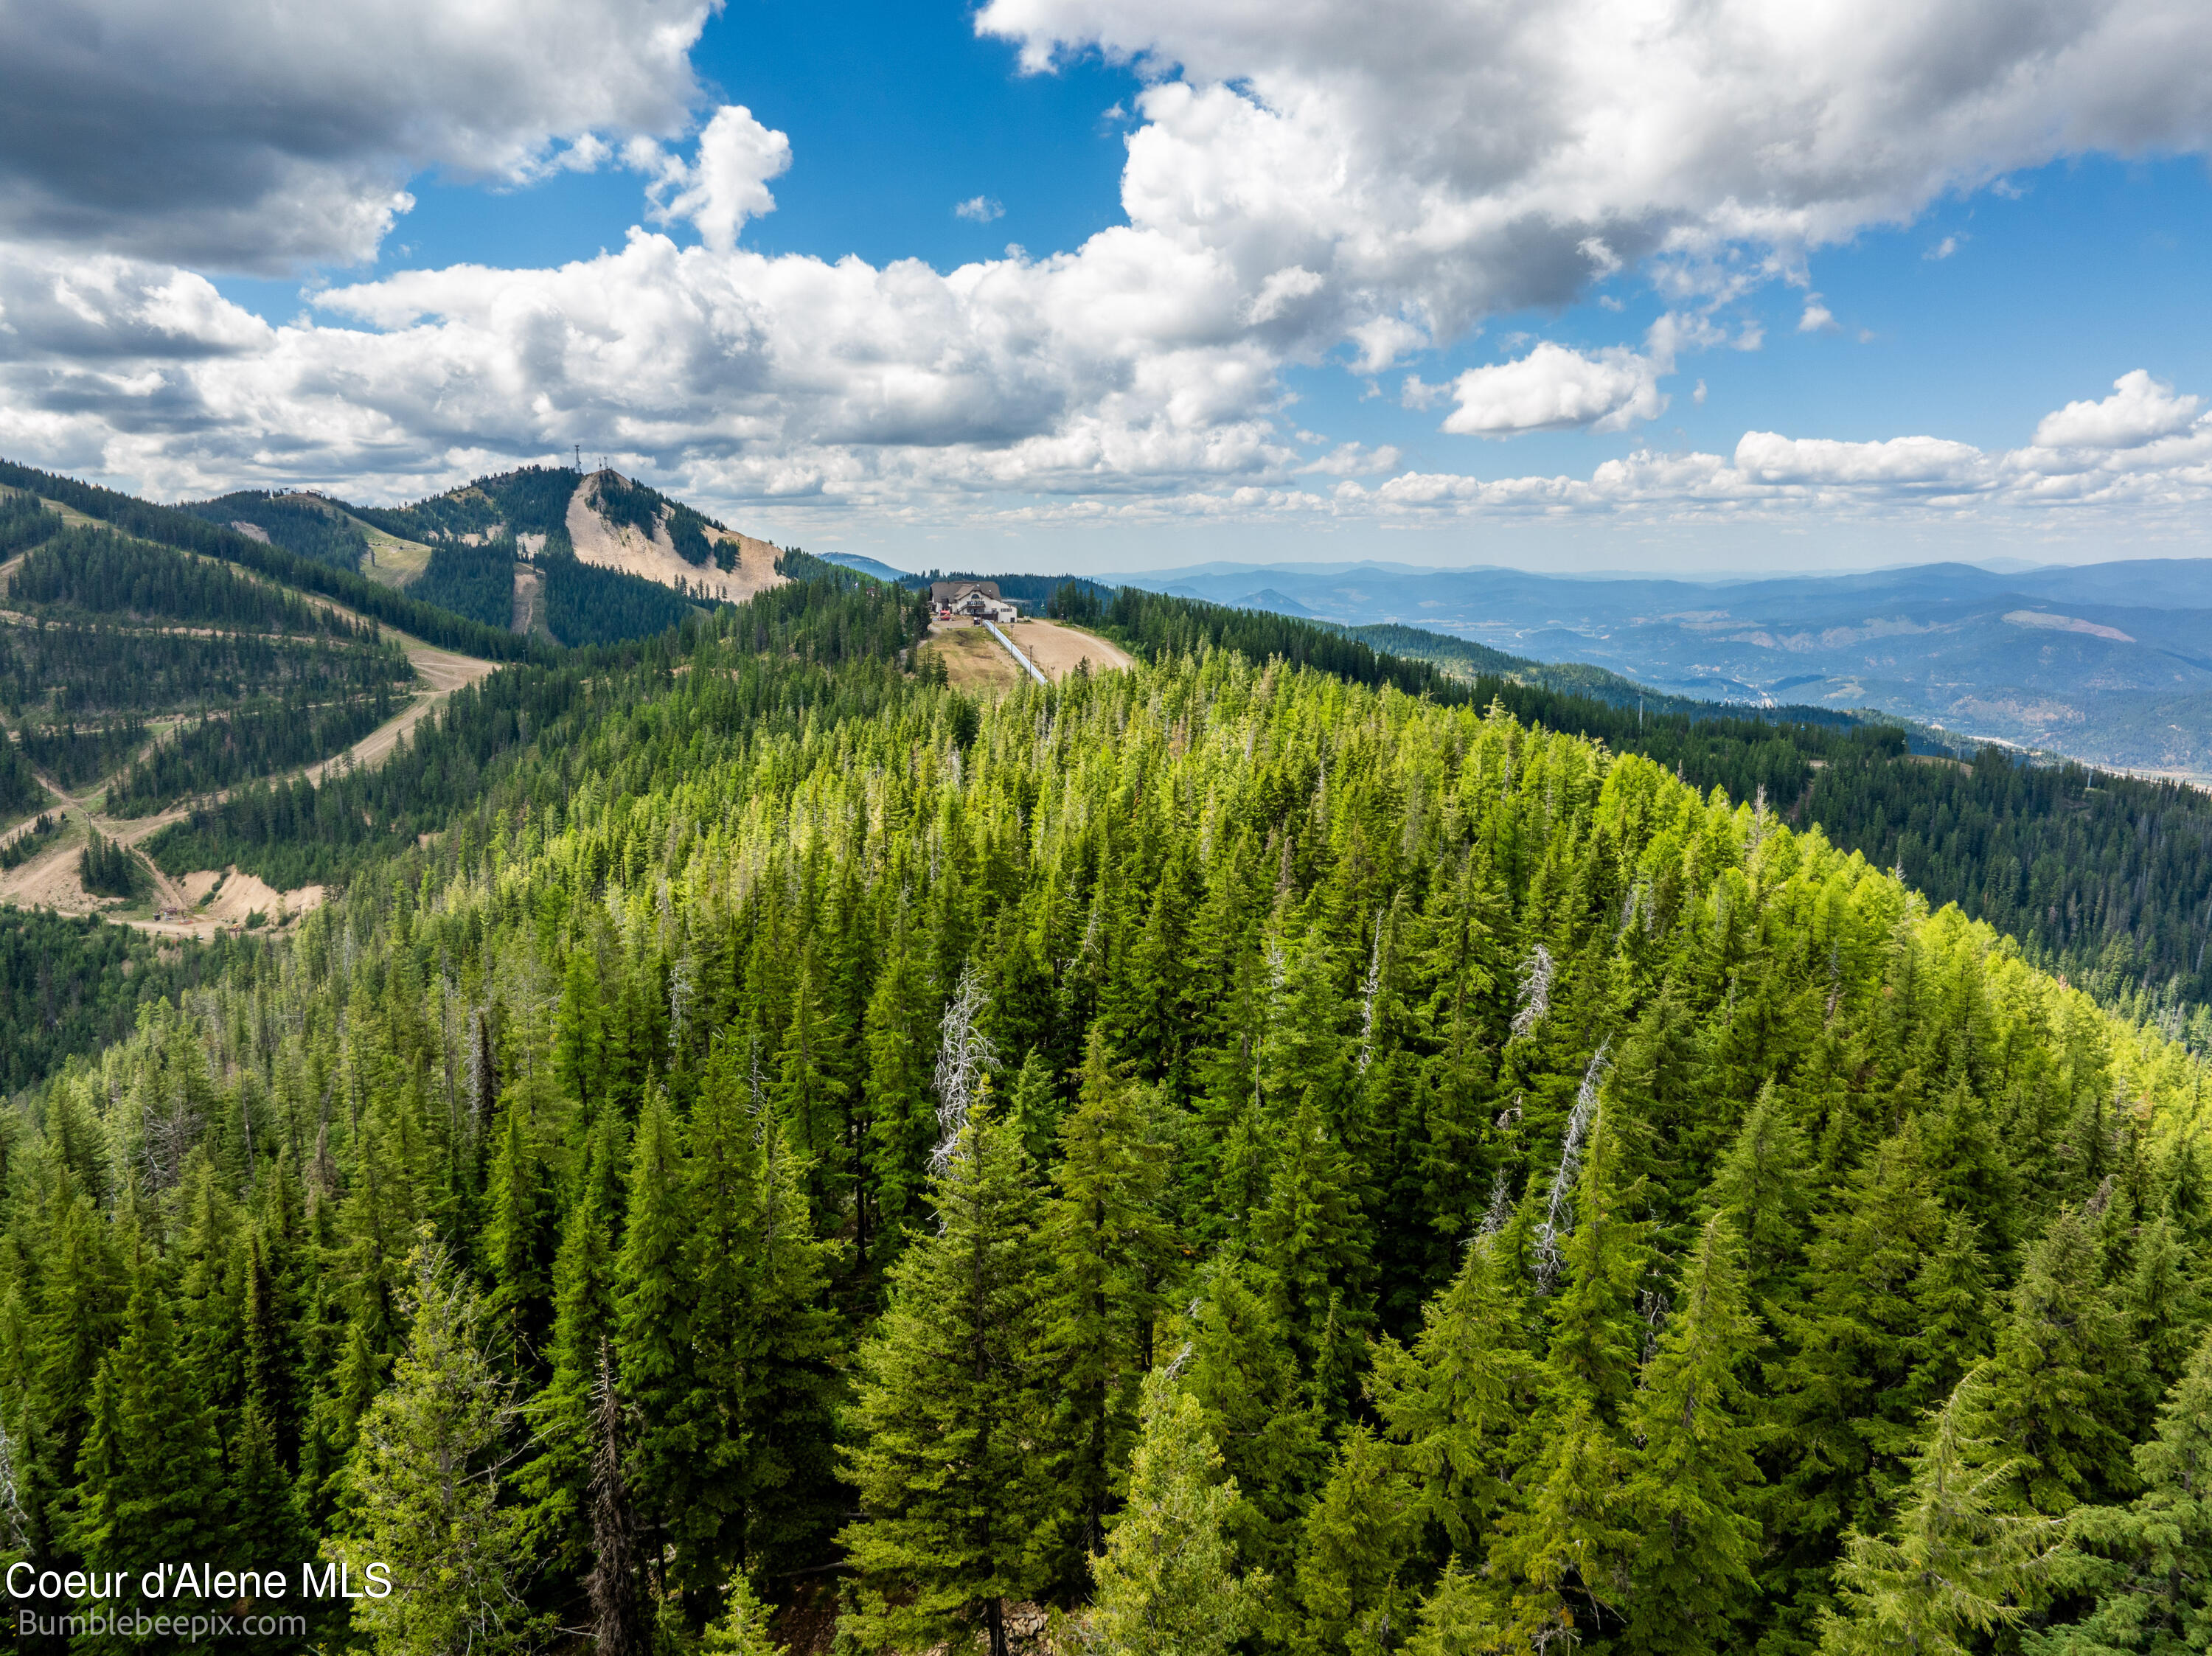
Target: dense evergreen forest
(476, 580)
(101, 573)
(76, 755)
(68, 987)
(256, 740)
(586, 605)
(25, 521)
(171, 526)
(2104, 878)
(1247, 1159)
(532, 500)
(67, 671)
(20, 793)
(305, 523)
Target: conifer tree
(1455, 1619)
(1354, 1556)
(947, 1485)
(2060, 1386)
(519, 1240)
(720, 1174)
(900, 1035)
(1457, 1398)
(270, 1345)
(558, 1479)
(151, 1471)
(1311, 1241)
(580, 1035)
(1960, 1565)
(2153, 1557)
(1167, 1582)
(427, 1477)
(1108, 1248)
(742, 1629)
(1763, 1180)
(792, 1497)
(1690, 1490)
(1245, 1378)
(653, 1320)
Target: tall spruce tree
(1692, 1488)
(1957, 1566)
(427, 1480)
(1107, 1247)
(2153, 1557)
(944, 1411)
(1167, 1581)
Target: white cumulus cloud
(2139, 410)
(724, 184)
(979, 210)
(1555, 388)
(1305, 185)
(253, 137)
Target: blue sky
(1190, 384)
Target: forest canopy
(873, 1154)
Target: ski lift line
(1029, 666)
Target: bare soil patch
(656, 558)
(974, 660)
(1059, 649)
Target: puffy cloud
(980, 210)
(1445, 160)
(724, 184)
(1305, 182)
(2139, 410)
(255, 137)
(1554, 389)
(1818, 318)
(1917, 464)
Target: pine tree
(743, 1629)
(1960, 1565)
(1455, 1618)
(1690, 1490)
(1311, 1241)
(900, 1035)
(519, 1240)
(1107, 1249)
(1245, 1377)
(653, 1320)
(151, 1471)
(271, 1353)
(558, 1480)
(1456, 1398)
(1763, 1181)
(719, 1176)
(947, 1486)
(1167, 1582)
(426, 1478)
(792, 1497)
(580, 1035)
(1353, 1558)
(2153, 1556)
(2061, 1387)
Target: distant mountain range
(2111, 663)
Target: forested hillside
(306, 523)
(1250, 1160)
(2105, 878)
(170, 674)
